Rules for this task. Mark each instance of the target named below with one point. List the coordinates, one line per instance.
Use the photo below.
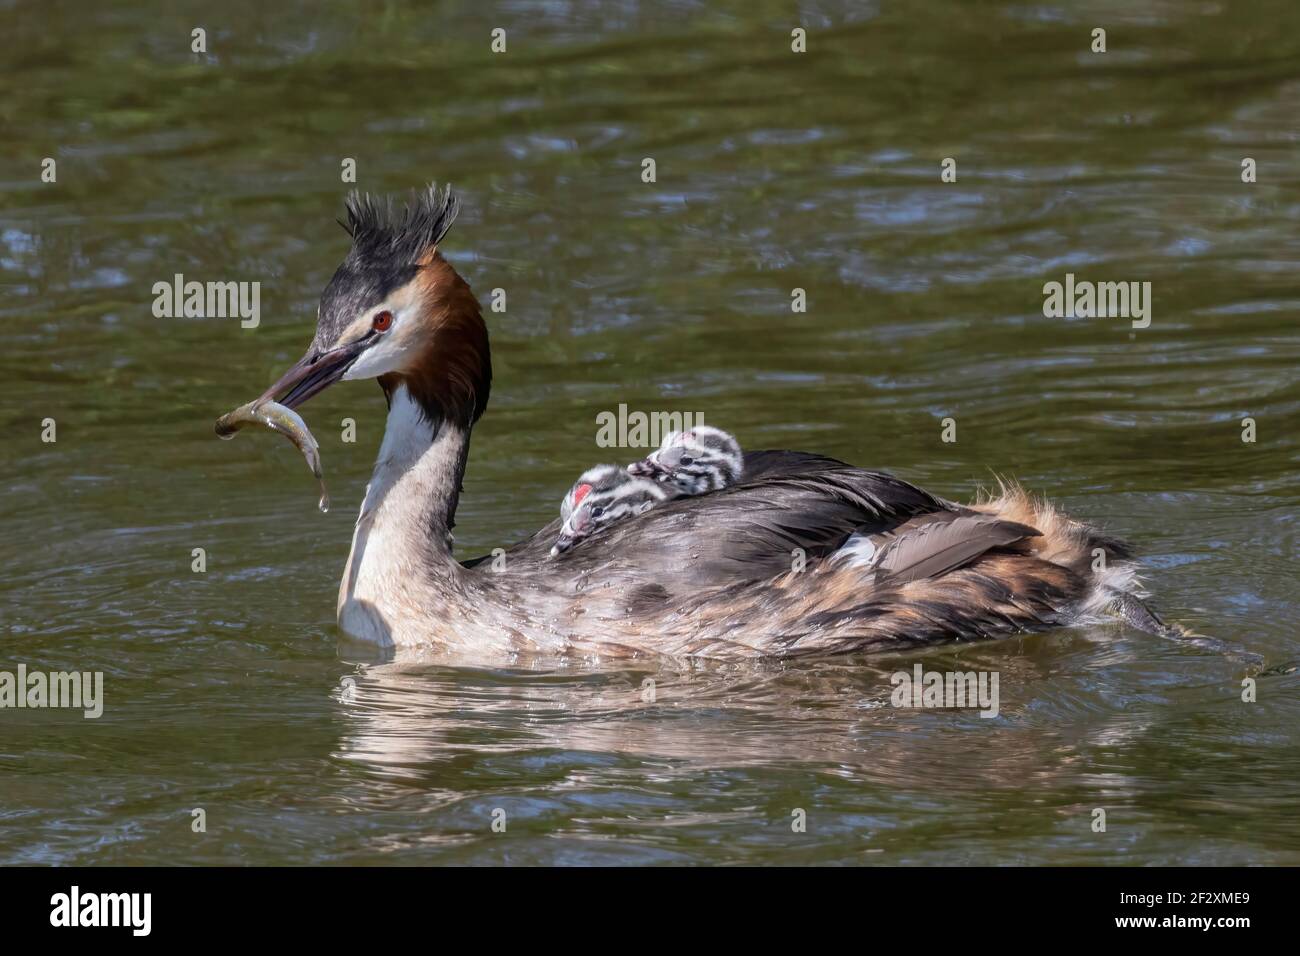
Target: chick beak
(648, 468)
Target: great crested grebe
(694, 462)
(802, 555)
(602, 495)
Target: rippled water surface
(230, 691)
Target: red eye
(382, 321)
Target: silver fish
(280, 419)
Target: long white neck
(401, 569)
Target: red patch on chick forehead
(579, 493)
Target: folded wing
(933, 544)
(785, 502)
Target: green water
(229, 690)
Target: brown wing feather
(933, 544)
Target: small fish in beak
(280, 419)
(313, 373)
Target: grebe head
(396, 311)
(695, 461)
(601, 496)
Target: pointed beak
(313, 373)
(575, 527)
(645, 468)
(649, 468)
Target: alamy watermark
(1098, 300)
(208, 300)
(624, 429)
(946, 689)
(80, 690)
(75, 908)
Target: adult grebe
(803, 555)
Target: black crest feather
(380, 231)
(388, 245)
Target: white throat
(400, 563)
